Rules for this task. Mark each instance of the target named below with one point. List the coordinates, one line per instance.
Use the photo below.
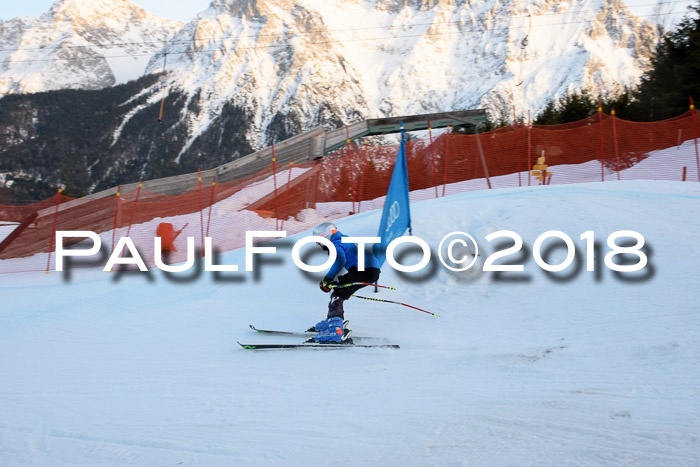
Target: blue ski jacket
(347, 256)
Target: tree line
(663, 92)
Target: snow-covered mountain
(291, 65)
(80, 44)
(302, 60)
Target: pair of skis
(348, 341)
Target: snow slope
(585, 368)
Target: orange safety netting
(353, 179)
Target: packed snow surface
(522, 368)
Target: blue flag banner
(396, 217)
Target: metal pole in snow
(362, 178)
(274, 181)
(695, 136)
(116, 212)
(600, 129)
(517, 146)
(131, 219)
(211, 204)
(432, 158)
(529, 148)
(447, 149)
(483, 159)
(201, 209)
(286, 194)
(352, 169)
(53, 229)
(617, 150)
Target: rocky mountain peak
(80, 44)
(291, 65)
(71, 10)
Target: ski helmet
(325, 230)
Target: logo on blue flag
(396, 217)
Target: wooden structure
(305, 147)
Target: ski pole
(342, 286)
(397, 303)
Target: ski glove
(325, 283)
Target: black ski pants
(339, 295)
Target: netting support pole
(432, 158)
(695, 136)
(517, 147)
(286, 194)
(600, 130)
(362, 178)
(274, 181)
(116, 214)
(211, 205)
(307, 198)
(617, 150)
(131, 219)
(317, 180)
(483, 158)
(53, 229)
(529, 148)
(352, 171)
(201, 209)
(447, 151)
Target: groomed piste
(526, 368)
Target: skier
(331, 328)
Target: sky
(186, 10)
(183, 10)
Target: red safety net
(353, 179)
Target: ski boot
(333, 332)
(323, 325)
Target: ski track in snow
(119, 369)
